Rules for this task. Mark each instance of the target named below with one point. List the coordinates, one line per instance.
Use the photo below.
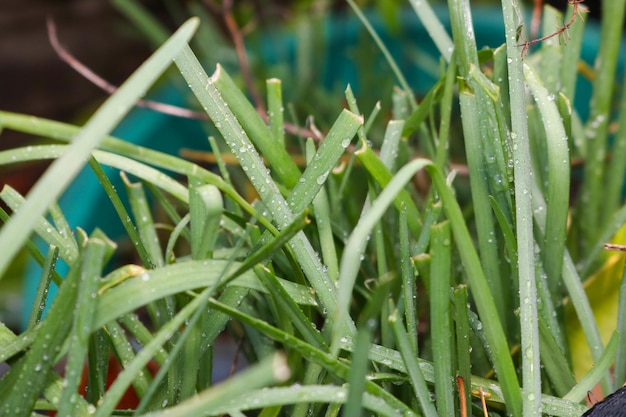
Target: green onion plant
(359, 265)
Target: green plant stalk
(597, 129)
(445, 106)
(557, 199)
(474, 109)
(383, 176)
(143, 219)
(372, 117)
(58, 176)
(550, 56)
(442, 336)
(53, 391)
(125, 378)
(409, 292)
(478, 284)
(391, 141)
(354, 248)
(463, 346)
(68, 248)
(485, 224)
(60, 222)
(412, 367)
(205, 209)
(93, 257)
(122, 213)
(323, 221)
(275, 109)
(358, 372)
(168, 207)
(225, 90)
(575, 289)
(600, 368)
(290, 308)
(414, 120)
(555, 363)
(138, 330)
(333, 395)
(531, 371)
(125, 353)
(42, 288)
(175, 380)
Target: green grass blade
(557, 198)
(409, 290)
(477, 163)
(530, 404)
(412, 366)
(143, 219)
(68, 248)
(42, 288)
(92, 262)
(332, 394)
(442, 336)
(596, 373)
(176, 278)
(463, 347)
(382, 175)
(358, 371)
(205, 208)
(351, 258)
(275, 109)
(481, 292)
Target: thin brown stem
(561, 31)
(108, 87)
(242, 56)
(164, 108)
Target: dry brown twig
(562, 32)
(164, 108)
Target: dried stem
(242, 56)
(164, 108)
(561, 31)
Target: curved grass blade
(351, 258)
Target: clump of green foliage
(358, 281)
